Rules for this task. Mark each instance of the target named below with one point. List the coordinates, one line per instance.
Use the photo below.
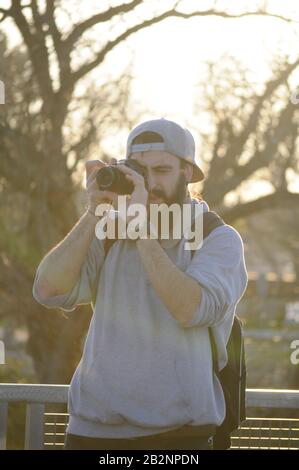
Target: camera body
(110, 178)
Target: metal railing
(46, 430)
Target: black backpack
(233, 376)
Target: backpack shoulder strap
(211, 221)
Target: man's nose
(150, 183)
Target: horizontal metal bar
(54, 445)
(269, 398)
(282, 429)
(251, 418)
(260, 438)
(55, 424)
(43, 393)
(262, 447)
(34, 393)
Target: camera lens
(105, 177)
(112, 179)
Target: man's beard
(178, 196)
(179, 193)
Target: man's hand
(94, 195)
(139, 194)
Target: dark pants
(154, 442)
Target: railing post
(34, 433)
(3, 424)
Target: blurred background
(75, 78)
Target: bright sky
(169, 57)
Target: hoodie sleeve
(85, 288)
(219, 268)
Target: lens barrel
(112, 179)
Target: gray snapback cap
(176, 140)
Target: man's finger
(92, 166)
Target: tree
(41, 145)
(38, 203)
(253, 137)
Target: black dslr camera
(110, 178)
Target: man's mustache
(157, 194)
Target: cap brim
(197, 175)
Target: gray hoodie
(141, 372)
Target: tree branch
(37, 49)
(63, 54)
(5, 13)
(81, 147)
(272, 85)
(86, 68)
(259, 160)
(80, 28)
(279, 199)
